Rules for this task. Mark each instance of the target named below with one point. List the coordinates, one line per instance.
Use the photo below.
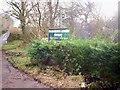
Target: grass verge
(18, 57)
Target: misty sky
(107, 8)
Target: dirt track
(13, 78)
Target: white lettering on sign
(58, 35)
(54, 31)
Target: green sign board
(58, 34)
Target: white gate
(3, 38)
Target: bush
(96, 58)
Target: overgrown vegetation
(95, 58)
(13, 44)
(17, 54)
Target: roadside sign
(58, 34)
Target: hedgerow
(97, 58)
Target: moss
(13, 44)
(20, 62)
(6, 47)
(16, 51)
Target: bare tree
(43, 17)
(20, 10)
(71, 15)
(38, 19)
(52, 12)
(78, 16)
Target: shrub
(96, 58)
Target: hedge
(97, 58)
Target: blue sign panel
(58, 34)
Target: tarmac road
(13, 78)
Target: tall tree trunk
(23, 27)
(53, 13)
(23, 18)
